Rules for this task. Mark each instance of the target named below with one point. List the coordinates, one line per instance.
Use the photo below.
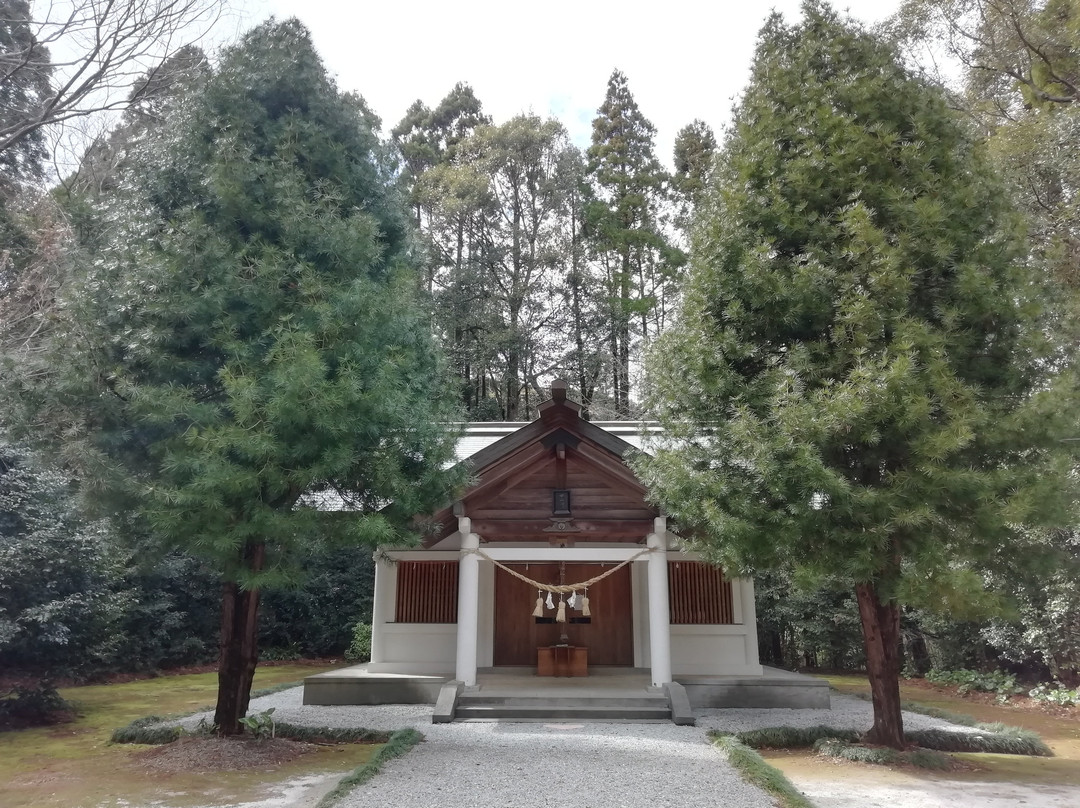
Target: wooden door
(608, 634)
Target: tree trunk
(238, 653)
(881, 638)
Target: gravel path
(492, 765)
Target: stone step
(496, 712)
(584, 702)
(480, 707)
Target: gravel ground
(846, 712)
(492, 765)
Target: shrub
(1059, 694)
(33, 705)
(260, 725)
(1004, 684)
(360, 648)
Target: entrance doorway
(607, 633)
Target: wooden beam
(610, 467)
(534, 529)
(511, 471)
(573, 554)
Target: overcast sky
(684, 59)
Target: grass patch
(755, 770)
(148, 730)
(993, 738)
(154, 729)
(961, 719)
(880, 756)
(922, 709)
(397, 745)
(331, 734)
(792, 737)
(831, 747)
(1013, 741)
(84, 769)
(929, 759)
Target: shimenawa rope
(559, 589)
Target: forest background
(541, 259)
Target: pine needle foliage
(859, 372)
(252, 335)
(861, 383)
(249, 339)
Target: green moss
(79, 752)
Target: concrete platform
(356, 685)
(776, 688)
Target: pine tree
(860, 383)
(251, 340)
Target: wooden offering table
(562, 660)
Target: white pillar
(468, 614)
(749, 618)
(659, 612)
(381, 607)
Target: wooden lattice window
(427, 592)
(698, 594)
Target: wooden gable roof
(514, 480)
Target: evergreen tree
(1020, 83)
(60, 603)
(25, 70)
(628, 188)
(860, 383)
(695, 150)
(426, 138)
(251, 343)
(499, 235)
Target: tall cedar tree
(857, 384)
(254, 340)
(628, 185)
(500, 214)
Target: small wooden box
(562, 660)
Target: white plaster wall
(413, 648)
(721, 650)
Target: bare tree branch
(98, 55)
